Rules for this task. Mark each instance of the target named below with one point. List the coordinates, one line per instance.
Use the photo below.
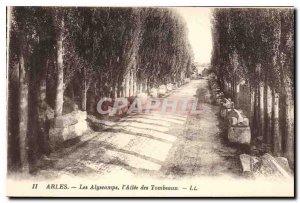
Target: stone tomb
(265, 166)
(238, 128)
(241, 135)
(67, 126)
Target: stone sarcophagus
(226, 106)
(238, 128)
(162, 90)
(265, 166)
(219, 97)
(241, 135)
(67, 126)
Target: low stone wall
(67, 126)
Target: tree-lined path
(63, 60)
(154, 143)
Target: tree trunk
(120, 90)
(289, 119)
(43, 122)
(13, 153)
(115, 92)
(265, 113)
(135, 91)
(237, 96)
(131, 85)
(23, 114)
(255, 127)
(268, 115)
(145, 86)
(140, 87)
(276, 133)
(72, 92)
(127, 85)
(252, 103)
(60, 68)
(83, 96)
(261, 110)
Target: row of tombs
(238, 131)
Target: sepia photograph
(150, 101)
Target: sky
(199, 31)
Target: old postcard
(150, 102)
